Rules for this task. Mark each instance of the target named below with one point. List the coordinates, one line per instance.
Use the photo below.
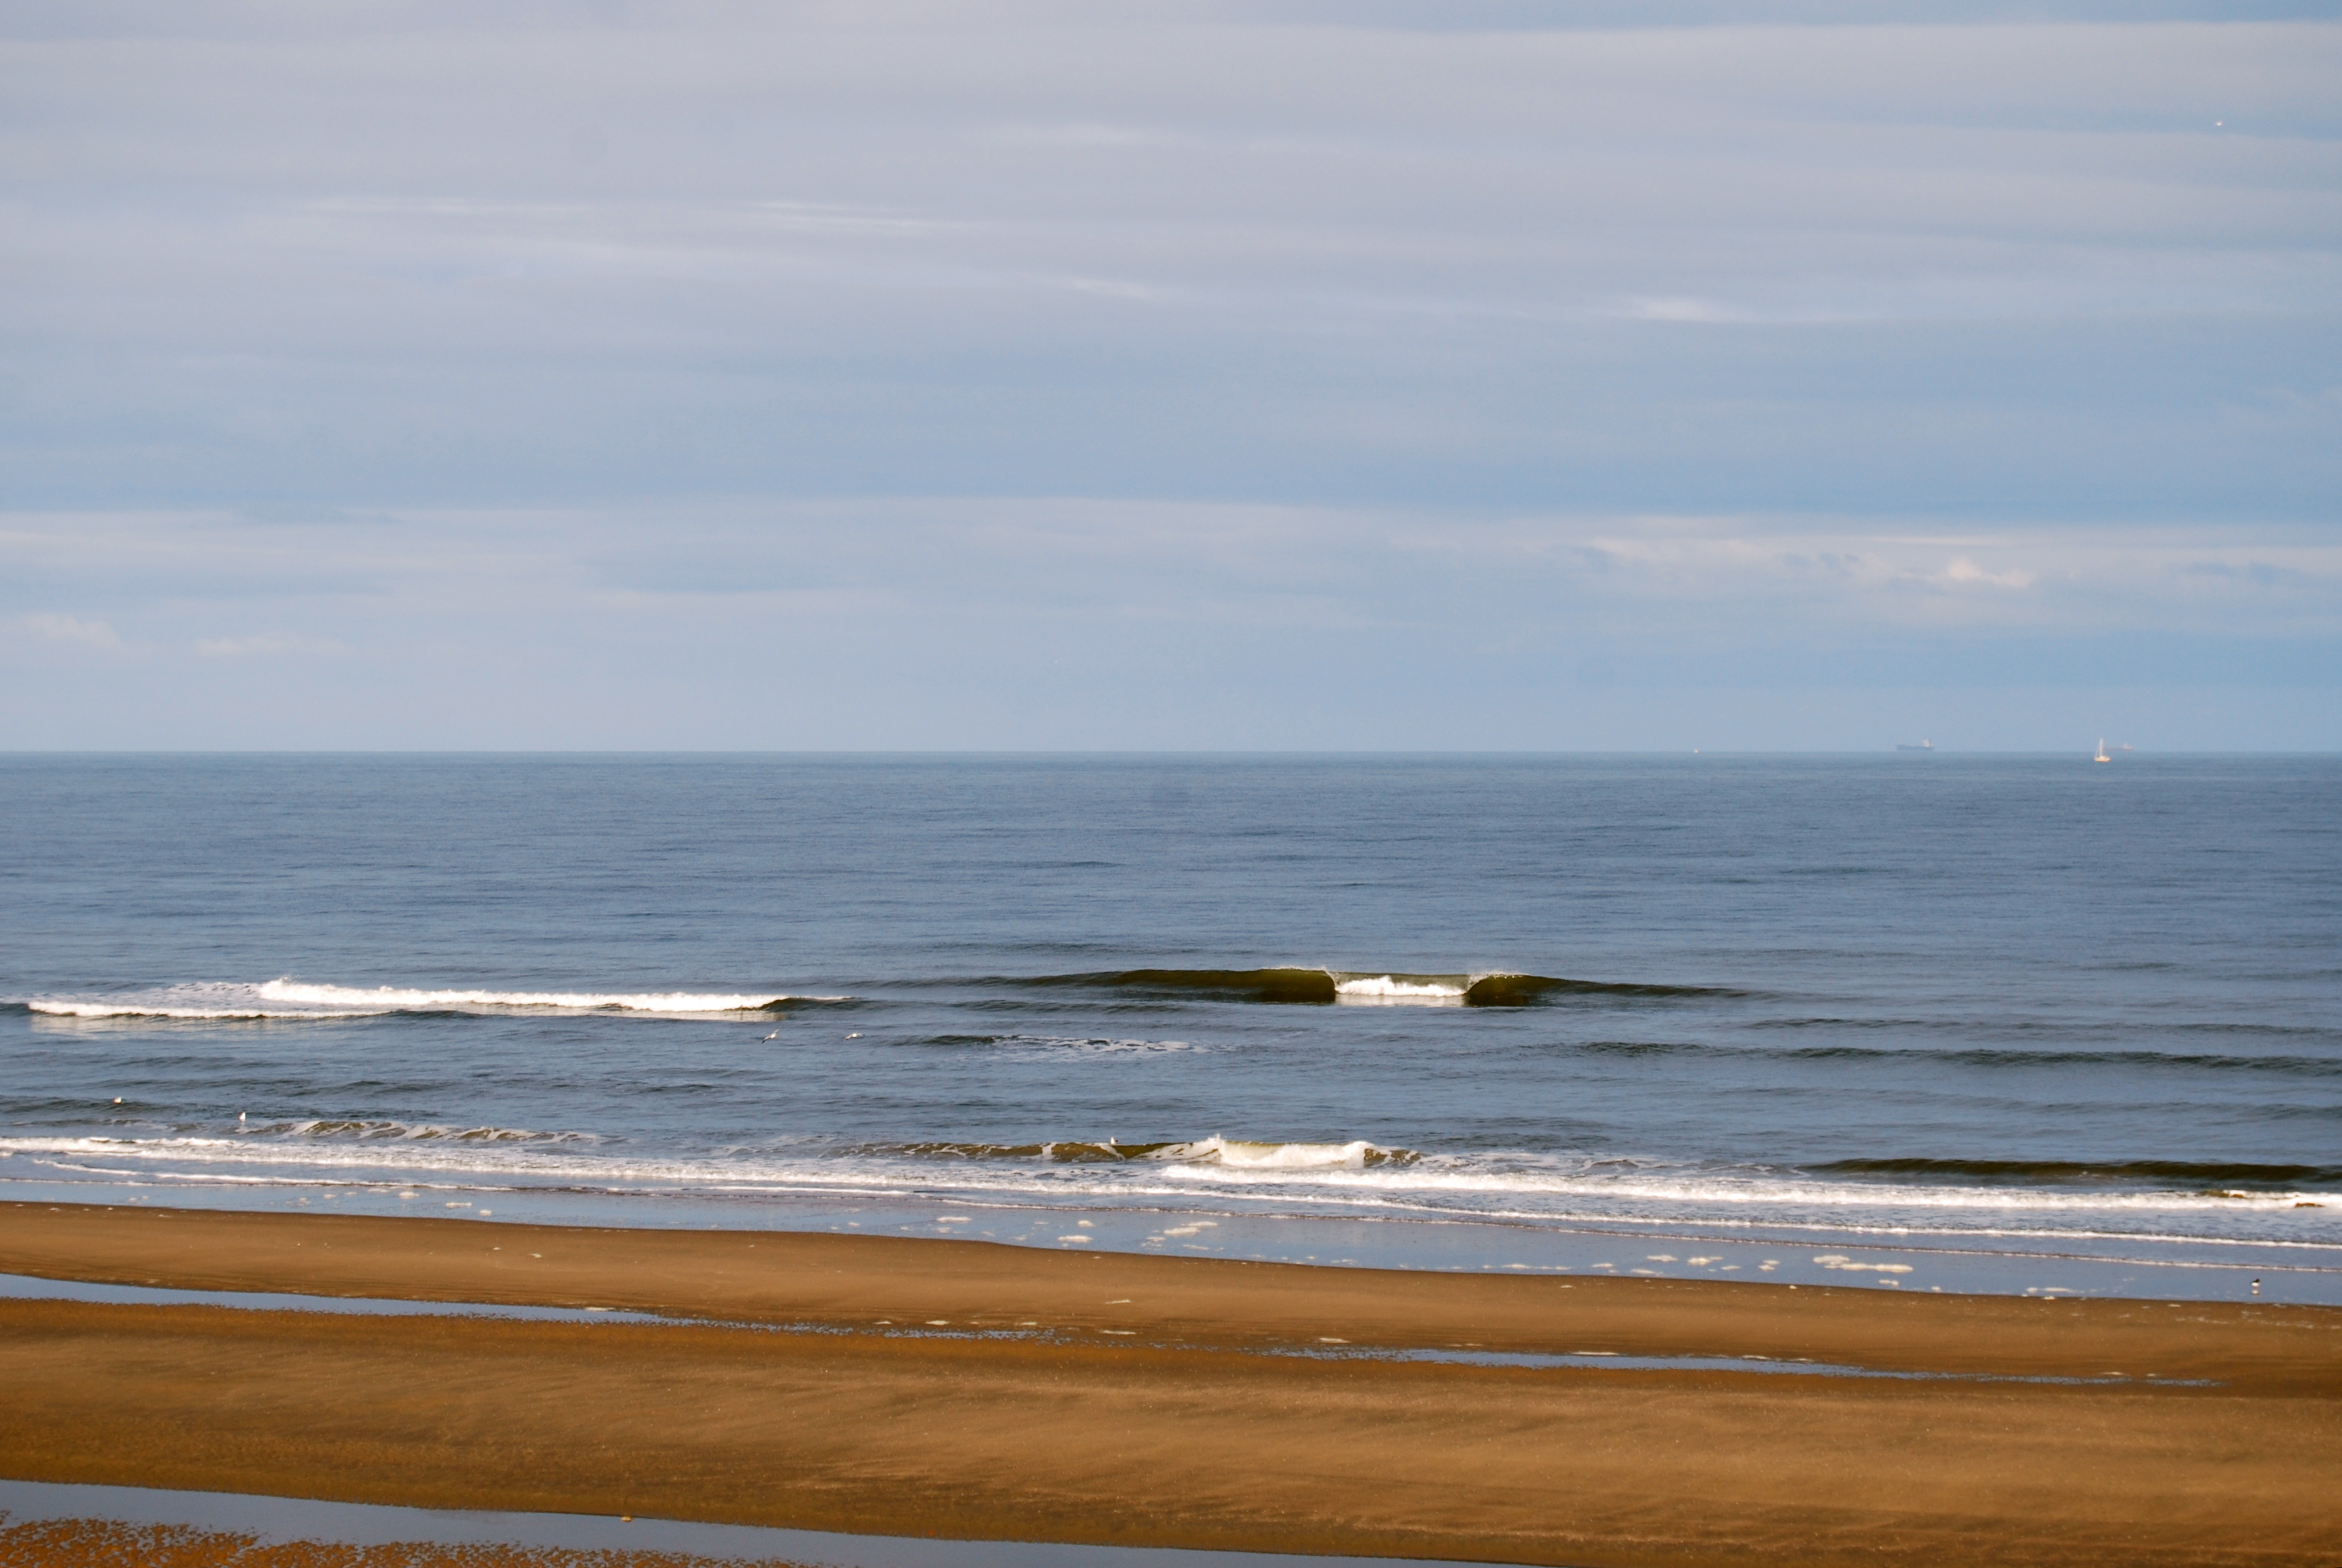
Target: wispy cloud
(71, 630)
(267, 645)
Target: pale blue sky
(1084, 376)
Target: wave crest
(286, 998)
(403, 998)
(54, 1007)
(1356, 1154)
(1324, 987)
(421, 1133)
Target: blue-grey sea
(1911, 1021)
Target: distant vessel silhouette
(1907, 746)
(2102, 756)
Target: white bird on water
(775, 1035)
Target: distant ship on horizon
(1922, 746)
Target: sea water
(1907, 1021)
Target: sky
(1619, 375)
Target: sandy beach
(1147, 1400)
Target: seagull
(775, 1035)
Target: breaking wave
(290, 999)
(1325, 987)
(1356, 1155)
(419, 1132)
(1356, 1177)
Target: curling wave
(1325, 987)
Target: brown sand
(1169, 1433)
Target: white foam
(1461, 1176)
(1271, 1156)
(1534, 1191)
(286, 998)
(338, 996)
(1433, 989)
(1845, 1264)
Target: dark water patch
(1659, 1048)
(42, 1105)
(1969, 1026)
(2218, 1173)
(2289, 1065)
(1029, 1006)
(1989, 1057)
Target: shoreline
(2145, 1267)
(1157, 1401)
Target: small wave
(1526, 990)
(420, 1132)
(2212, 1172)
(53, 1008)
(1324, 987)
(1270, 985)
(1356, 1154)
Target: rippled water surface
(1451, 1012)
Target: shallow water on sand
(271, 1520)
(1959, 1022)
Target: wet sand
(1147, 1412)
(109, 1543)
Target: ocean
(1918, 1022)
